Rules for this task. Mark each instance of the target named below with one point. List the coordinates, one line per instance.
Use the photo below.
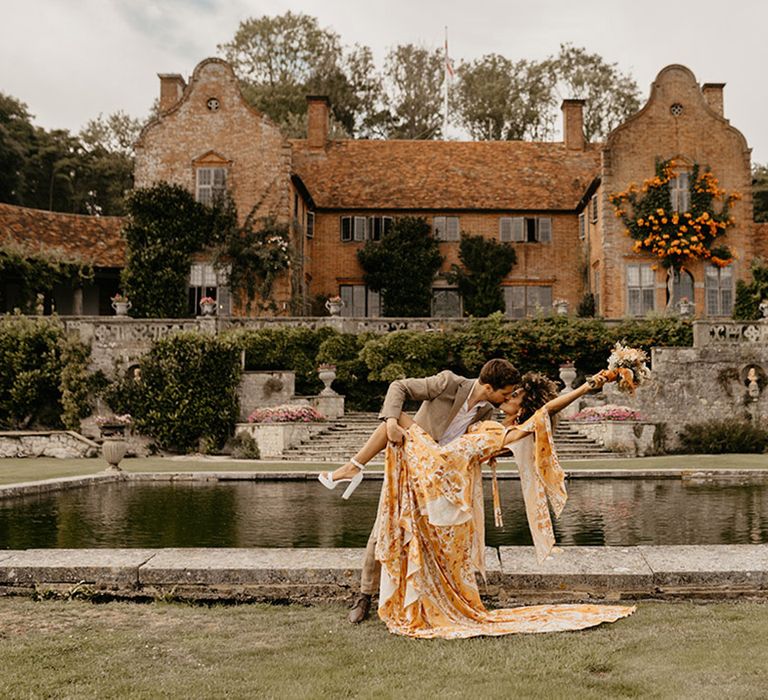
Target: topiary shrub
(485, 263)
(187, 395)
(402, 266)
(727, 436)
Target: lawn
(78, 649)
(17, 470)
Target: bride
(430, 524)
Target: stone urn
(327, 373)
(685, 307)
(334, 305)
(567, 375)
(121, 307)
(561, 307)
(208, 308)
(113, 450)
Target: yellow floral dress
(431, 537)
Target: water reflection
(303, 514)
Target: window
(641, 290)
(596, 290)
(679, 286)
(359, 301)
(446, 228)
(353, 228)
(593, 209)
(582, 226)
(519, 229)
(680, 192)
(211, 184)
(718, 283)
(310, 224)
(204, 282)
(378, 226)
(446, 303)
(524, 301)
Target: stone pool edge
(670, 572)
(28, 488)
(317, 575)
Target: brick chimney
(171, 89)
(318, 113)
(573, 124)
(713, 94)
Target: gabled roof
(445, 175)
(69, 237)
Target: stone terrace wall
(708, 381)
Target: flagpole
(445, 81)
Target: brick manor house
(550, 200)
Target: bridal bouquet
(627, 365)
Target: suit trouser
(371, 572)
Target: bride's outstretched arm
(560, 402)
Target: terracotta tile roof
(71, 237)
(508, 175)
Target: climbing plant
(676, 237)
(484, 264)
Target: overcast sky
(70, 60)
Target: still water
(304, 514)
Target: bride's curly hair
(538, 390)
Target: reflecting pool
(304, 514)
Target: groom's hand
(394, 432)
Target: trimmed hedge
(727, 436)
(44, 382)
(186, 398)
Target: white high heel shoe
(326, 480)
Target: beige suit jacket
(442, 396)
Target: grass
(32, 469)
(77, 649)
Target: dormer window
(211, 184)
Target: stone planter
(121, 307)
(686, 308)
(632, 438)
(561, 308)
(334, 307)
(208, 308)
(113, 450)
(274, 438)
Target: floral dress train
(431, 535)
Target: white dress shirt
(462, 420)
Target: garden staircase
(344, 436)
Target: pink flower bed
(286, 414)
(609, 412)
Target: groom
(450, 404)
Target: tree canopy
(88, 173)
(280, 59)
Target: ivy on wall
(166, 226)
(37, 273)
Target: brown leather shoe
(360, 608)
